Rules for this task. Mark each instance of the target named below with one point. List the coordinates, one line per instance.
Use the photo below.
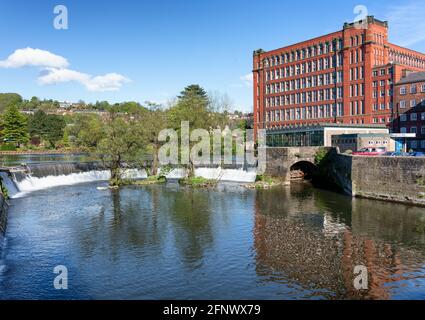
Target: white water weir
(22, 180)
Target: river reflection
(171, 242)
(314, 239)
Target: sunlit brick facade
(344, 77)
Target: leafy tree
(194, 90)
(85, 131)
(123, 146)
(194, 106)
(154, 121)
(9, 99)
(37, 124)
(56, 125)
(14, 126)
(48, 127)
(133, 108)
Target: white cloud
(108, 82)
(55, 70)
(247, 79)
(407, 23)
(33, 58)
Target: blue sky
(149, 50)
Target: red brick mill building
(346, 77)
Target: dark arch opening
(303, 170)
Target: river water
(171, 242)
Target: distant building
(409, 112)
(343, 77)
(317, 135)
(357, 141)
(65, 105)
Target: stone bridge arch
(302, 170)
(280, 161)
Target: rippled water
(169, 242)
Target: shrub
(8, 147)
(320, 156)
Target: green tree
(196, 107)
(123, 146)
(194, 90)
(85, 131)
(56, 125)
(14, 126)
(37, 124)
(9, 99)
(48, 127)
(154, 121)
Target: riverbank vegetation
(198, 182)
(264, 182)
(122, 135)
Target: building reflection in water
(312, 240)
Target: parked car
(418, 154)
(405, 154)
(370, 152)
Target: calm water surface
(169, 242)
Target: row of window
(412, 116)
(382, 72)
(382, 83)
(412, 130)
(304, 83)
(301, 54)
(303, 68)
(381, 120)
(413, 103)
(382, 93)
(402, 58)
(357, 107)
(305, 97)
(357, 90)
(356, 56)
(413, 144)
(357, 73)
(382, 106)
(413, 89)
(306, 113)
(378, 57)
(336, 141)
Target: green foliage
(198, 182)
(15, 126)
(8, 147)
(49, 127)
(149, 181)
(56, 125)
(3, 189)
(264, 178)
(36, 104)
(194, 90)
(154, 121)
(131, 107)
(165, 170)
(123, 145)
(9, 99)
(320, 156)
(85, 131)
